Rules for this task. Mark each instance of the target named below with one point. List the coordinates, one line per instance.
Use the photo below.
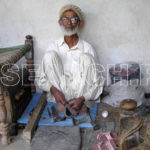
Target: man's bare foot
(60, 108)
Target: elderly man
(69, 71)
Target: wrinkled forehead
(69, 13)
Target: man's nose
(69, 21)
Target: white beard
(68, 32)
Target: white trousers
(85, 80)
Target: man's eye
(64, 19)
(74, 19)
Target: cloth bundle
(125, 84)
(125, 71)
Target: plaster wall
(117, 29)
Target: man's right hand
(59, 96)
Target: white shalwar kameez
(74, 71)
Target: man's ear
(60, 22)
(81, 24)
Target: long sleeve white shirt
(69, 58)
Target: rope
(14, 48)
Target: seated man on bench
(69, 71)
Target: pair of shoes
(107, 141)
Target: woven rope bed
(8, 57)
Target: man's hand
(77, 103)
(59, 96)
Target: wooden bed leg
(30, 63)
(3, 125)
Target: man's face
(69, 22)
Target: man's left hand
(77, 103)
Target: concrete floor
(17, 143)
